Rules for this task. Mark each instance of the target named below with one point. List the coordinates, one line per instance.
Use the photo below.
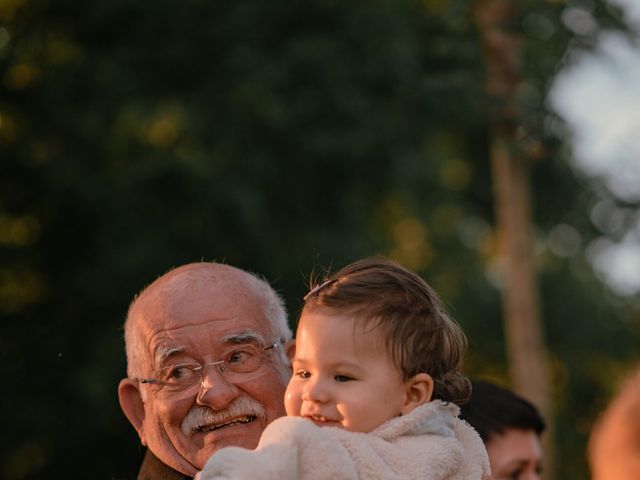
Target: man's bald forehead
(195, 276)
(169, 299)
(202, 268)
(184, 293)
(197, 272)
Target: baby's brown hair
(420, 335)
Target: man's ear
(419, 390)
(132, 405)
(290, 349)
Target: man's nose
(215, 390)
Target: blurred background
(284, 137)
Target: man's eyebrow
(242, 338)
(164, 352)
(237, 338)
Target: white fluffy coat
(430, 442)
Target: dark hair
(493, 409)
(420, 336)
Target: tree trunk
(526, 352)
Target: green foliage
(278, 137)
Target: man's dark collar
(153, 469)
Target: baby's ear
(419, 390)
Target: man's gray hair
(275, 310)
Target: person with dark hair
(510, 428)
(376, 379)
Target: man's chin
(207, 442)
(176, 461)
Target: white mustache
(200, 416)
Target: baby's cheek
(292, 400)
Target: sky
(597, 94)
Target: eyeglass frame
(201, 369)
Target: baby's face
(342, 376)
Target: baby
(377, 361)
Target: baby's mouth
(217, 426)
(321, 420)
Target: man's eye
(242, 356)
(239, 356)
(179, 372)
(343, 378)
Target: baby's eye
(302, 374)
(342, 378)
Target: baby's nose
(316, 390)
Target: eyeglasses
(236, 365)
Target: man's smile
(236, 421)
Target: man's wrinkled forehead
(204, 277)
(199, 302)
(197, 297)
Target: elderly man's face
(197, 326)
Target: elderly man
(206, 365)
